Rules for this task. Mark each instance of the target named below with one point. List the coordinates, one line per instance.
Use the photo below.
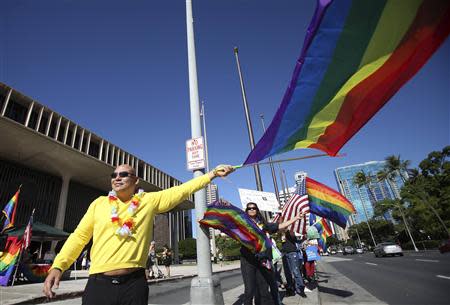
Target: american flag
(27, 233)
(298, 203)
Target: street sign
(266, 201)
(195, 154)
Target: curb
(79, 293)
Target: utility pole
(205, 289)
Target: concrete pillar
(61, 214)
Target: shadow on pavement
(337, 292)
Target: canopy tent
(41, 232)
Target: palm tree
(396, 167)
(360, 179)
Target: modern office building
(63, 166)
(362, 197)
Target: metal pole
(204, 288)
(272, 169)
(211, 230)
(282, 184)
(249, 122)
(286, 183)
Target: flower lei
(125, 228)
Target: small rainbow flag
(355, 57)
(8, 259)
(328, 203)
(237, 224)
(35, 273)
(10, 211)
(323, 227)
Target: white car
(389, 248)
(359, 251)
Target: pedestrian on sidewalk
(167, 259)
(258, 274)
(293, 258)
(121, 225)
(151, 260)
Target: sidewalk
(32, 293)
(337, 289)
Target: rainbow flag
(8, 259)
(323, 242)
(328, 203)
(355, 57)
(323, 227)
(35, 273)
(237, 224)
(10, 211)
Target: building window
(16, 112)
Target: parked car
(359, 251)
(445, 246)
(348, 250)
(387, 248)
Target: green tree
(188, 247)
(428, 194)
(381, 229)
(228, 246)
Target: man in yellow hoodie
(121, 225)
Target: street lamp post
(205, 289)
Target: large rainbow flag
(8, 259)
(237, 224)
(10, 211)
(328, 203)
(355, 57)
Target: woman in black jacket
(257, 271)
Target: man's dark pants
(130, 289)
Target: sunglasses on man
(252, 209)
(121, 175)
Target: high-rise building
(212, 193)
(367, 196)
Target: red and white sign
(195, 154)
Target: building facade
(63, 167)
(367, 196)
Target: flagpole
(22, 248)
(249, 122)
(17, 266)
(272, 169)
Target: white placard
(266, 201)
(195, 154)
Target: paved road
(416, 278)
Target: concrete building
(63, 166)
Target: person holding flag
(121, 225)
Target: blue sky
(119, 68)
